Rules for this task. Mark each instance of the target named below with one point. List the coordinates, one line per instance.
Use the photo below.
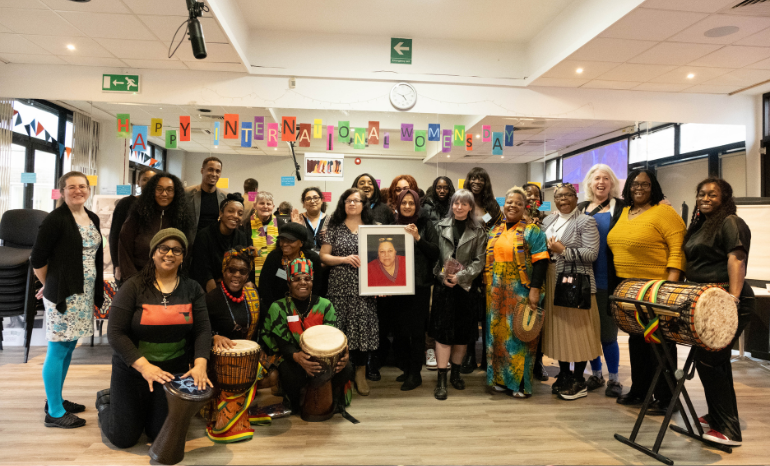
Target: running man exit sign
(120, 82)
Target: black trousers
(643, 367)
(409, 314)
(716, 375)
(133, 409)
(294, 379)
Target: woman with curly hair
(435, 203)
(717, 250)
(161, 205)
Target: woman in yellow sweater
(646, 243)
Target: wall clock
(403, 96)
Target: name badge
(486, 217)
(281, 273)
(293, 318)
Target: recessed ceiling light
(70, 47)
(478, 136)
(275, 148)
(579, 70)
(721, 31)
(204, 110)
(502, 156)
(690, 76)
(80, 1)
(447, 156)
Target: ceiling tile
(635, 73)
(742, 78)
(93, 61)
(217, 53)
(674, 53)
(661, 87)
(164, 28)
(600, 84)
(567, 69)
(702, 6)
(57, 45)
(156, 64)
(27, 58)
(27, 4)
(760, 39)
(748, 25)
(711, 89)
(44, 22)
(107, 25)
(614, 50)
(158, 7)
(645, 24)
(733, 56)
(140, 49)
(15, 43)
(210, 66)
(679, 75)
(100, 6)
(4, 29)
(761, 65)
(558, 82)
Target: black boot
(469, 360)
(373, 367)
(413, 380)
(455, 379)
(440, 391)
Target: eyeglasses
(353, 201)
(302, 279)
(642, 185)
(161, 190)
(563, 196)
(165, 249)
(238, 270)
(312, 199)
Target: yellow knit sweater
(645, 246)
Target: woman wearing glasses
(161, 205)
(314, 217)
(158, 328)
(646, 243)
(356, 315)
(212, 242)
(570, 334)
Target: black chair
(18, 231)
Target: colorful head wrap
(300, 265)
(244, 254)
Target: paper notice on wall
(123, 190)
(92, 179)
(223, 183)
(252, 196)
(55, 194)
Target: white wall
(269, 170)
(112, 159)
(175, 163)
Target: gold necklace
(639, 210)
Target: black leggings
(294, 379)
(643, 367)
(133, 409)
(580, 368)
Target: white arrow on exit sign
(400, 48)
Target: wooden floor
(471, 427)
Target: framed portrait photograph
(387, 260)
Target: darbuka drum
(235, 377)
(325, 345)
(708, 316)
(184, 400)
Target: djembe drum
(706, 314)
(235, 377)
(184, 400)
(325, 345)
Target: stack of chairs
(18, 285)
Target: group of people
(199, 268)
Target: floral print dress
(78, 320)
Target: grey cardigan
(470, 251)
(581, 239)
(193, 194)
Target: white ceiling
(656, 46)
(110, 33)
(481, 20)
(534, 137)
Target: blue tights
(57, 363)
(611, 354)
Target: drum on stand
(325, 345)
(184, 400)
(235, 377)
(707, 315)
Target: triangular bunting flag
(18, 120)
(26, 127)
(61, 149)
(68, 151)
(47, 136)
(40, 129)
(15, 112)
(153, 162)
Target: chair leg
(1, 333)
(30, 311)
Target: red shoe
(716, 437)
(704, 423)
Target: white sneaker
(430, 360)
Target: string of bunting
(36, 127)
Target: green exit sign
(120, 82)
(401, 51)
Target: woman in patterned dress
(356, 315)
(67, 259)
(520, 262)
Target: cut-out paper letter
(318, 129)
(407, 131)
(343, 132)
(330, 137)
(459, 135)
(304, 134)
(434, 132)
(184, 128)
(446, 140)
(288, 129)
(156, 127)
(171, 140)
(124, 125)
(259, 128)
(272, 135)
(217, 132)
(231, 126)
(497, 143)
(508, 135)
(486, 133)
(140, 139)
(373, 133)
(246, 133)
(420, 140)
(468, 142)
(359, 141)
(386, 141)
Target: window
(694, 137)
(615, 155)
(552, 170)
(37, 120)
(652, 145)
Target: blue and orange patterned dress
(510, 361)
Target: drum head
(322, 341)
(241, 347)
(716, 318)
(186, 389)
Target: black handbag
(573, 290)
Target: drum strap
(216, 434)
(652, 326)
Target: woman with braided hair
(717, 249)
